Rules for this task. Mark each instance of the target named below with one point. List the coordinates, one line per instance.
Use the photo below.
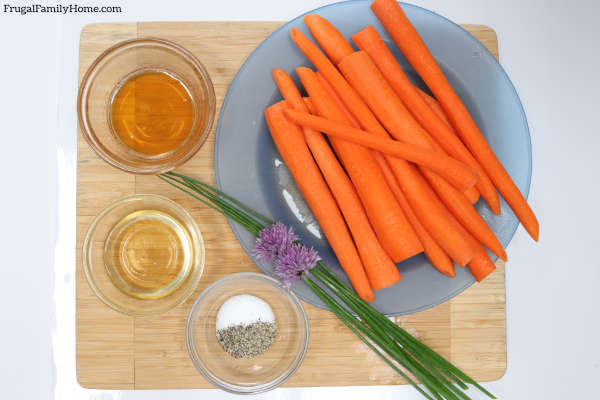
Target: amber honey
(152, 112)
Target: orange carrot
(423, 201)
(290, 141)
(364, 76)
(437, 109)
(472, 194)
(313, 110)
(467, 215)
(370, 42)
(433, 251)
(430, 212)
(328, 37)
(436, 255)
(309, 105)
(452, 170)
(380, 269)
(389, 222)
(412, 46)
(349, 117)
(481, 265)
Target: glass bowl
(111, 69)
(143, 255)
(247, 375)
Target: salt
(243, 309)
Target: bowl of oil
(143, 255)
(146, 105)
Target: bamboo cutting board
(115, 351)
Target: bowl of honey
(146, 105)
(143, 255)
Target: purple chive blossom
(272, 241)
(295, 261)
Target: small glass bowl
(110, 70)
(252, 375)
(100, 236)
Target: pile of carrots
(401, 170)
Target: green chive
(373, 328)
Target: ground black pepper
(247, 341)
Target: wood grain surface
(115, 351)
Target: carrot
(430, 211)
(436, 255)
(328, 37)
(370, 42)
(435, 107)
(389, 222)
(432, 250)
(349, 117)
(423, 201)
(471, 194)
(309, 105)
(412, 46)
(380, 269)
(467, 215)
(364, 76)
(289, 140)
(481, 265)
(449, 168)
(370, 83)
(313, 110)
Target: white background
(549, 49)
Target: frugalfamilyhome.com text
(58, 9)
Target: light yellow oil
(148, 254)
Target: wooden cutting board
(115, 351)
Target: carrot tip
(368, 298)
(277, 72)
(535, 236)
(533, 229)
(387, 284)
(480, 278)
(449, 274)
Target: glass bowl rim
(264, 387)
(87, 245)
(92, 72)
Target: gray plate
(248, 166)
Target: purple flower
(272, 241)
(278, 244)
(294, 262)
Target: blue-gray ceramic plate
(248, 166)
